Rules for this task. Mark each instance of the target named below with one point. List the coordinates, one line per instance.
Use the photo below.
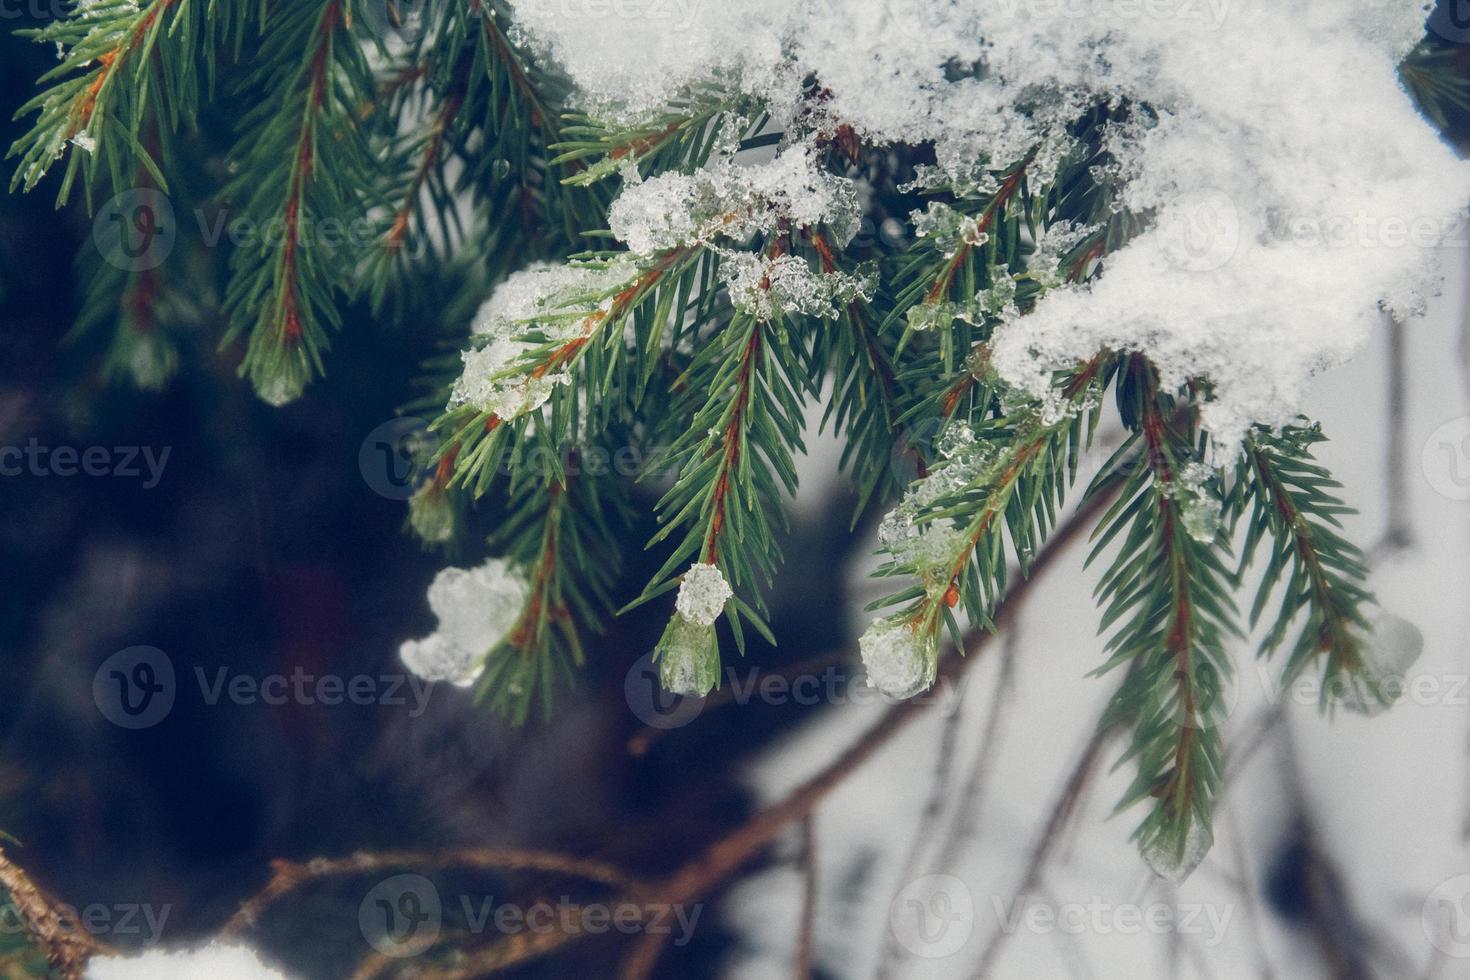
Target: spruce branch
(305, 159)
(866, 405)
(1002, 479)
(1288, 499)
(1169, 590)
(121, 62)
(565, 536)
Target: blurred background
(245, 541)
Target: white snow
(477, 608)
(1293, 187)
(702, 594)
(217, 961)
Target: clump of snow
(703, 594)
(1291, 186)
(217, 961)
(477, 609)
(898, 661)
(734, 201)
(556, 302)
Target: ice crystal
(431, 514)
(762, 287)
(950, 228)
(702, 594)
(930, 545)
(724, 199)
(549, 303)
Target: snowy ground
(1385, 799)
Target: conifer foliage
(683, 287)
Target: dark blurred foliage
(263, 549)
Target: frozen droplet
(898, 662)
(280, 389)
(1173, 862)
(688, 658)
(500, 169)
(1201, 514)
(431, 514)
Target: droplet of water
(1174, 864)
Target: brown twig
(288, 876)
(807, 931)
(1046, 841)
(721, 860)
(67, 946)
